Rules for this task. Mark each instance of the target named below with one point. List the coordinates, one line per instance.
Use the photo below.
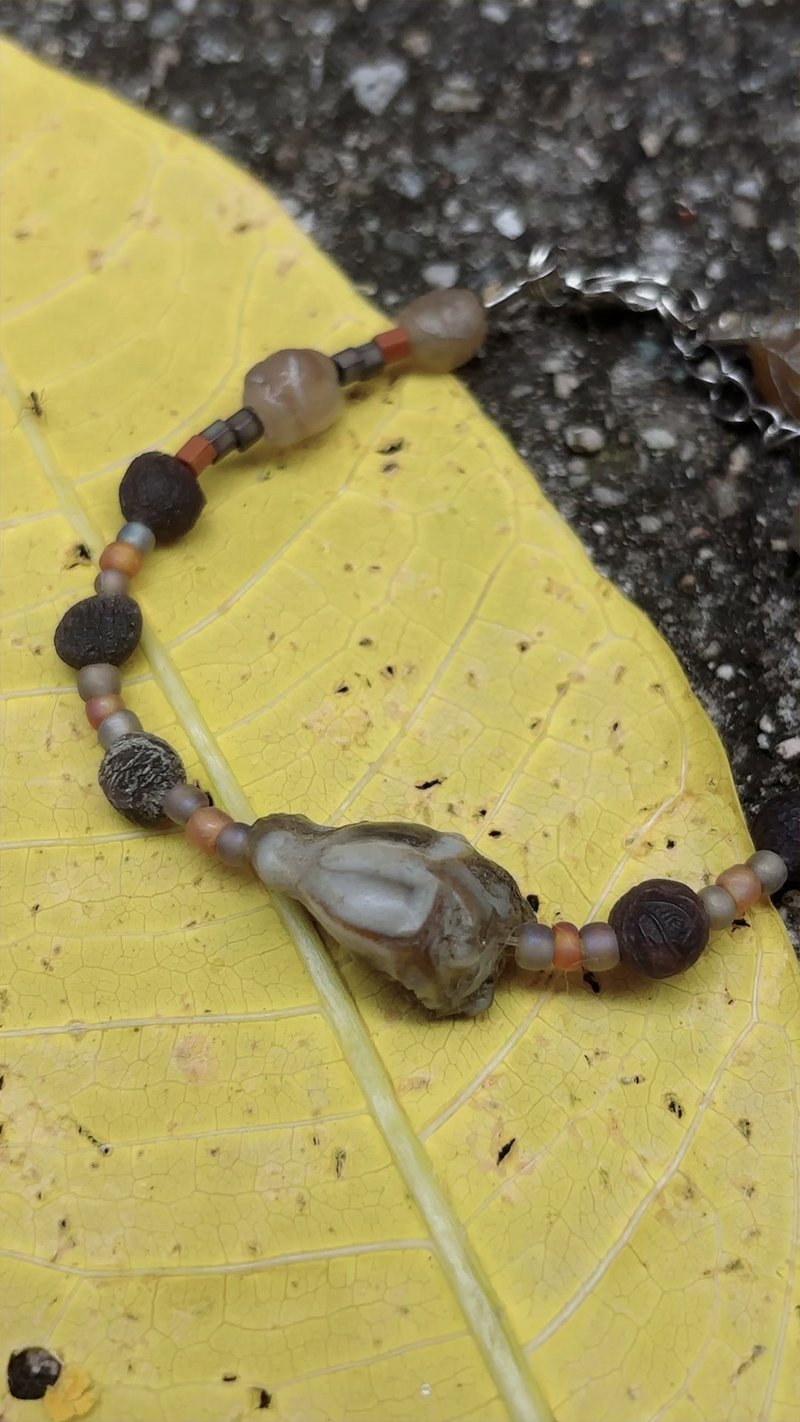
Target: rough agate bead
(422, 906)
(295, 394)
(135, 775)
(777, 827)
(445, 329)
(99, 629)
(661, 926)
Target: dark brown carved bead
(99, 629)
(136, 773)
(662, 927)
(31, 1371)
(163, 493)
(775, 357)
(777, 827)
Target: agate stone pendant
(420, 905)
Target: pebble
(650, 523)
(441, 274)
(658, 440)
(789, 749)
(584, 439)
(726, 672)
(609, 498)
(375, 85)
(509, 222)
(566, 384)
(767, 724)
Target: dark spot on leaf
(315, 1140)
(503, 1151)
(365, 642)
(428, 784)
(756, 1353)
(674, 1105)
(745, 1127)
(230, 1377)
(592, 981)
(341, 1158)
(392, 447)
(264, 1399)
(533, 900)
(495, 834)
(670, 844)
(523, 646)
(342, 690)
(733, 1266)
(390, 467)
(30, 1372)
(388, 671)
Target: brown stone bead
(98, 707)
(743, 885)
(204, 827)
(662, 927)
(445, 329)
(566, 947)
(775, 357)
(122, 558)
(295, 394)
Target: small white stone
(767, 724)
(726, 672)
(565, 384)
(441, 274)
(789, 749)
(375, 85)
(584, 439)
(659, 440)
(509, 222)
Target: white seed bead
(769, 869)
(534, 948)
(600, 948)
(98, 679)
(719, 905)
(138, 535)
(117, 725)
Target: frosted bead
(295, 394)
(600, 949)
(534, 950)
(422, 906)
(98, 679)
(566, 947)
(121, 558)
(117, 725)
(719, 905)
(445, 329)
(204, 827)
(233, 845)
(182, 800)
(742, 884)
(98, 708)
(138, 535)
(770, 870)
(112, 582)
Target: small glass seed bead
(98, 679)
(534, 949)
(182, 800)
(599, 947)
(117, 725)
(247, 428)
(742, 884)
(233, 844)
(97, 708)
(770, 870)
(204, 827)
(122, 557)
(138, 535)
(719, 905)
(566, 947)
(111, 582)
(197, 453)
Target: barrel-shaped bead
(122, 558)
(599, 947)
(770, 869)
(295, 394)
(534, 947)
(743, 885)
(97, 708)
(444, 329)
(182, 800)
(98, 679)
(204, 827)
(719, 905)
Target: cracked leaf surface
(235, 1166)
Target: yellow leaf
(239, 1173)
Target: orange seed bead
(566, 947)
(204, 827)
(122, 557)
(743, 885)
(98, 707)
(394, 345)
(198, 453)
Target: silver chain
(716, 352)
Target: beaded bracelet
(421, 905)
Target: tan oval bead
(445, 329)
(98, 707)
(205, 826)
(121, 558)
(295, 393)
(742, 884)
